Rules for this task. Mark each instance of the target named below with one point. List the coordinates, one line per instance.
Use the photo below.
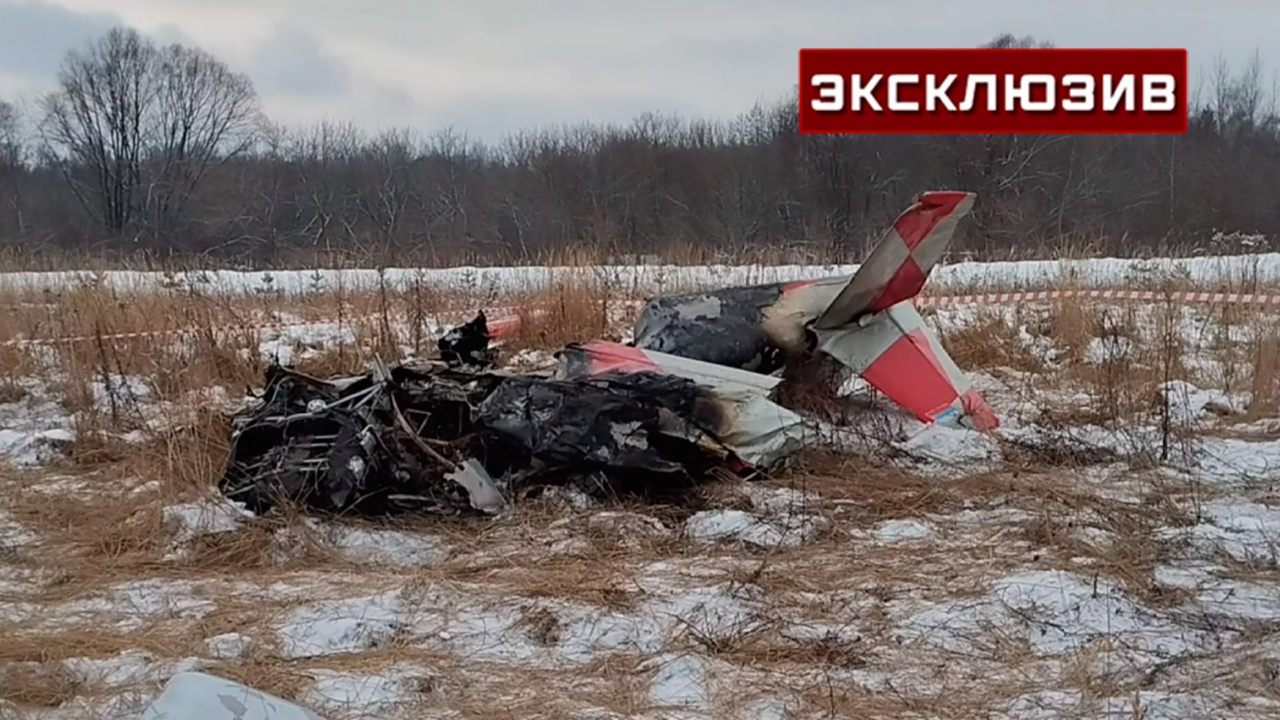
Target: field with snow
(1110, 551)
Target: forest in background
(164, 153)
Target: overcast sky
(492, 66)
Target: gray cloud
(36, 35)
(293, 62)
(494, 66)
(171, 34)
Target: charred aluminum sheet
(752, 328)
(722, 327)
(758, 432)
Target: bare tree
(1008, 41)
(387, 182)
(134, 127)
(205, 114)
(12, 166)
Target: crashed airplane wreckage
(689, 399)
(436, 439)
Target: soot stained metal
(453, 441)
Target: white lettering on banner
(971, 92)
(1030, 92)
(897, 81)
(1113, 92)
(1024, 93)
(1079, 96)
(935, 93)
(1158, 93)
(860, 93)
(831, 92)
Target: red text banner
(1054, 91)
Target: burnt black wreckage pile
(691, 398)
(458, 437)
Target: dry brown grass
(991, 341)
(92, 542)
(1264, 372)
(567, 313)
(39, 684)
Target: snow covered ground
(1110, 552)
(1093, 272)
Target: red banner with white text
(1051, 91)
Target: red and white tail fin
(900, 265)
(872, 326)
(897, 354)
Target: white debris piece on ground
(941, 448)
(198, 696)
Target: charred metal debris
(458, 437)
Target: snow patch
(228, 646)
(341, 626)
(1108, 349)
(214, 516)
(1189, 404)
(896, 531)
(1055, 612)
(711, 526)
(1246, 532)
(943, 447)
(679, 681)
(388, 547)
(358, 695)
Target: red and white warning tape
(1212, 298)
(505, 320)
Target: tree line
(164, 150)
